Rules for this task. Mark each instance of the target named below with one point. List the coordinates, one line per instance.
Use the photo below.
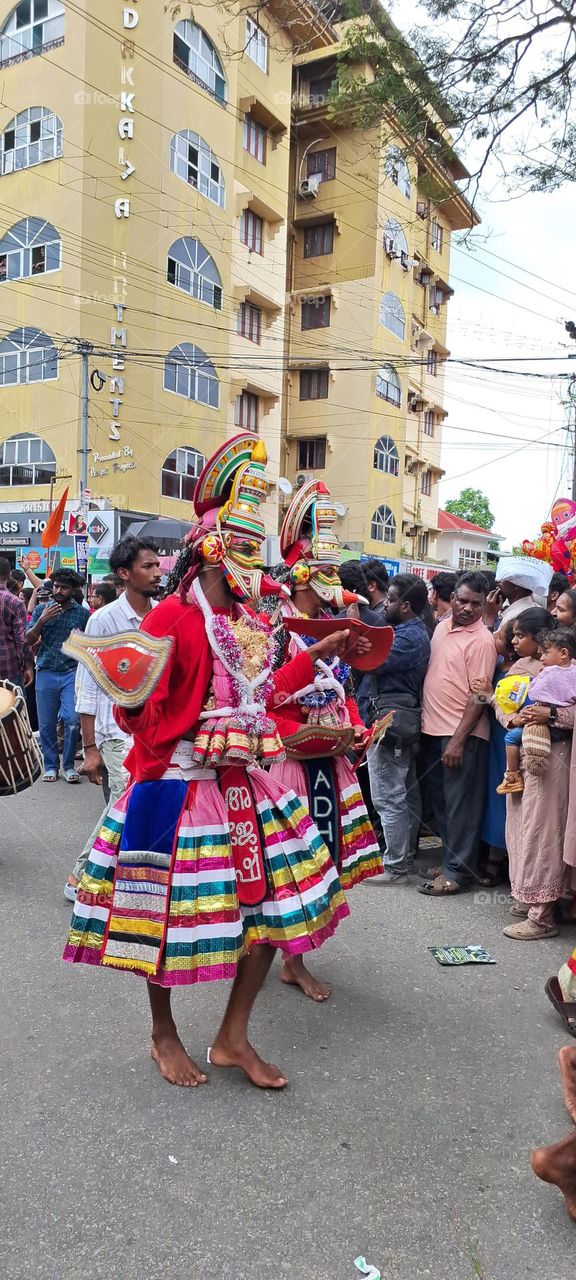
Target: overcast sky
(493, 414)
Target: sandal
(530, 931)
(49, 777)
(567, 1011)
(440, 887)
(493, 873)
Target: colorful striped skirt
(158, 895)
(357, 850)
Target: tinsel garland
(239, 657)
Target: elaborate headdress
(309, 543)
(229, 530)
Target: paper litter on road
(371, 1273)
(461, 955)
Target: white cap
(525, 571)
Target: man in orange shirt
(455, 733)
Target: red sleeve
(174, 707)
(293, 676)
(353, 712)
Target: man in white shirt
(135, 562)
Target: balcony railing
(32, 53)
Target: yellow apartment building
(368, 316)
(165, 170)
(144, 178)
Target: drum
(20, 758)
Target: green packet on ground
(461, 955)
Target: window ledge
(263, 115)
(243, 294)
(247, 199)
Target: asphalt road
(415, 1097)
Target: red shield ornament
(127, 666)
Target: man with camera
(397, 685)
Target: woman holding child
(537, 802)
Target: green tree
(501, 75)
(472, 505)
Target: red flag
(52, 531)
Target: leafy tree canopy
(472, 505)
(500, 73)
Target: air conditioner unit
(425, 277)
(302, 478)
(421, 209)
(390, 248)
(308, 188)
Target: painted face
(243, 567)
(326, 583)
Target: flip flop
(567, 1011)
(445, 888)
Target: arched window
(388, 385)
(383, 526)
(191, 269)
(188, 372)
(33, 136)
(180, 471)
(27, 355)
(30, 248)
(193, 161)
(395, 242)
(386, 456)
(392, 314)
(196, 55)
(33, 27)
(398, 172)
(26, 459)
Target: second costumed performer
(320, 722)
(208, 863)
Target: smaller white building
(462, 545)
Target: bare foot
(294, 974)
(173, 1062)
(73, 882)
(567, 1064)
(263, 1074)
(557, 1164)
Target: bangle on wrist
(88, 746)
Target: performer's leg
(295, 974)
(168, 1051)
(231, 1047)
(557, 1164)
(567, 1064)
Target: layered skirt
(328, 789)
(159, 895)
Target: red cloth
(174, 708)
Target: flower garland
(248, 647)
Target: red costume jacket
(174, 708)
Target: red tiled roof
(448, 523)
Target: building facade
(463, 545)
(181, 221)
(368, 317)
(144, 171)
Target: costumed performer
(319, 722)
(208, 863)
